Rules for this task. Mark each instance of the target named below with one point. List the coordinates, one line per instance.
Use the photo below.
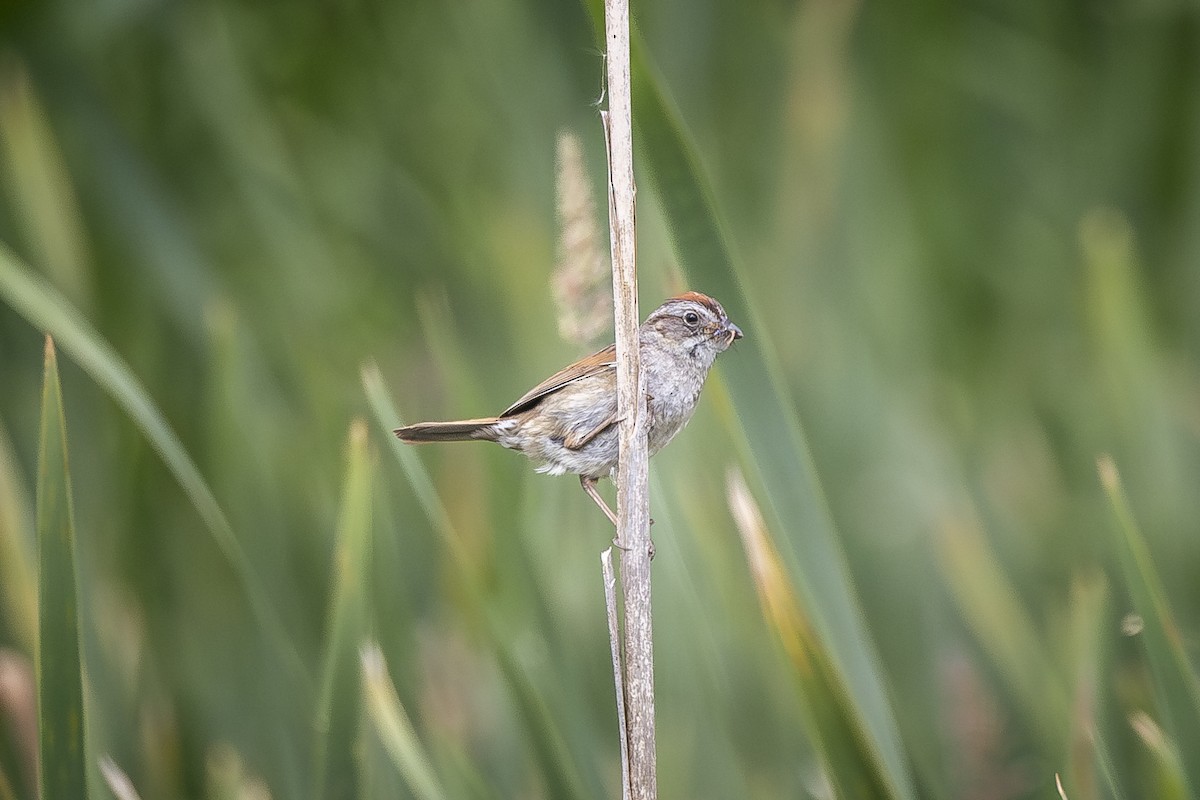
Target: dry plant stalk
(614, 641)
(633, 503)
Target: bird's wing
(594, 364)
(577, 440)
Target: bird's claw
(625, 549)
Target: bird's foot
(625, 549)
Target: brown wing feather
(591, 365)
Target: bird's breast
(668, 416)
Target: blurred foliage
(965, 238)
(62, 721)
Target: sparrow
(567, 424)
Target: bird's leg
(589, 486)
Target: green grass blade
(1176, 682)
(1169, 781)
(349, 623)
(1089, 771)
(394, 728)
(46, 309)
(62, 769)
(1106, 770)
(117, 781)
(767, 428)
(562, 775)
(6, 790)
(40, 185)
(388, 417)
(18, 571)
(993, 611)
(227, 776)
(851, 767)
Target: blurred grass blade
(349, 622)
(1089, 768)
(18, 572)
(1177, 686)
(227, 777)
(767, 429)
(851, 766)
(1171, 783)
(118, 782)
(992, 610)
(19, 710)
(62, 770)
(39, 185)
(559, 769)
(389, 417)
(46, 309)
(1106, 769)
(393, 727)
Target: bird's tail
(464, 430)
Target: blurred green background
(963, 240)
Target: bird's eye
(692, 318)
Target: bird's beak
(734, 331)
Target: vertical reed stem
(633, 504)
